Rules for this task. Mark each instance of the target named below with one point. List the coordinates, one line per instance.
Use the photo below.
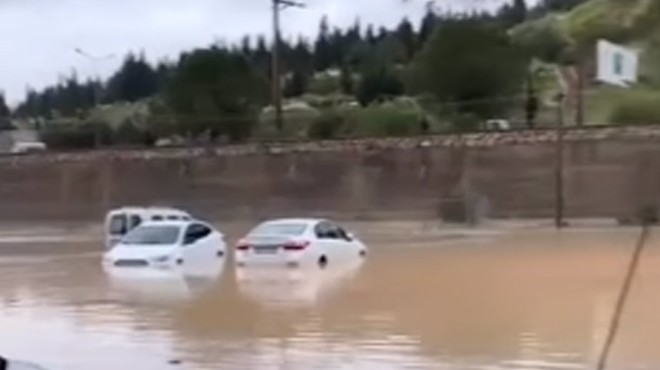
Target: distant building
(10, 138)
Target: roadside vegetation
(449, 73)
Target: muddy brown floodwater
(532, 299)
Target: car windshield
(288, 229)
(153, 235)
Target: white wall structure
(617, 65)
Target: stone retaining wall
(609, 172)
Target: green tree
(513, 14)
(406, 36)
(135, 80)
(296, 85)
(484, 67)
(322, 47)
(217, 93)
(427, 26)
(378, 83)
(5, 113)
(346, 80)
(543, 39)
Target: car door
(329, 241)
(341, 243)
(196, 243)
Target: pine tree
(322, 48)
(135, 80)
(5, 113)
(406, 35)
(296, 85)
(346, 80)
(427, 26)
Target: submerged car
(120, 221)
(167, 244)
(297, 242)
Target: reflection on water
(300, 287)
(537, 300)
(163, 285)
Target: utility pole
(96, 99)
(579, 118)
(278, 6)
(559, 164)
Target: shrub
(387, 120)
(636, 108)
(327, 126)
(128, 133)
(325, 84)
(76, 135)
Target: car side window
(157, 218)
(326, 230)
(321, 230)
(342, 234)
(196, 232)
(135, 221)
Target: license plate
(131, 263)
(266, 249)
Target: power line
(278, 6)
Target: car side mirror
(350, 236)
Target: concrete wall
(608, 173)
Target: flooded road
(521, 300)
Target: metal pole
(559, 164)
(97, 88)
(277, 90)
(579, 119)
(95, 104)
(278, 5)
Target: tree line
(220, 90)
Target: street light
(94, 60)
(278, 6)
(97, 86)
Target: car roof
(308, 221)
(149, 209)
(180, 223)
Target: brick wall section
(609, 172)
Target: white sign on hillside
(617, 65)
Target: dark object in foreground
(13, 365)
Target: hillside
(563, 39)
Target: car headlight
(161, 259)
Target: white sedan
(6, 364)
(167, 244)
(296, 242)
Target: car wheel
(323, 262)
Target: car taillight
(242, 245)
(296, 246)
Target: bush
(325, 84)
(387, 120)
(76, 135)
(128, 133)
(636, 108)
(327, 126)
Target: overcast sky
(39, 36)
